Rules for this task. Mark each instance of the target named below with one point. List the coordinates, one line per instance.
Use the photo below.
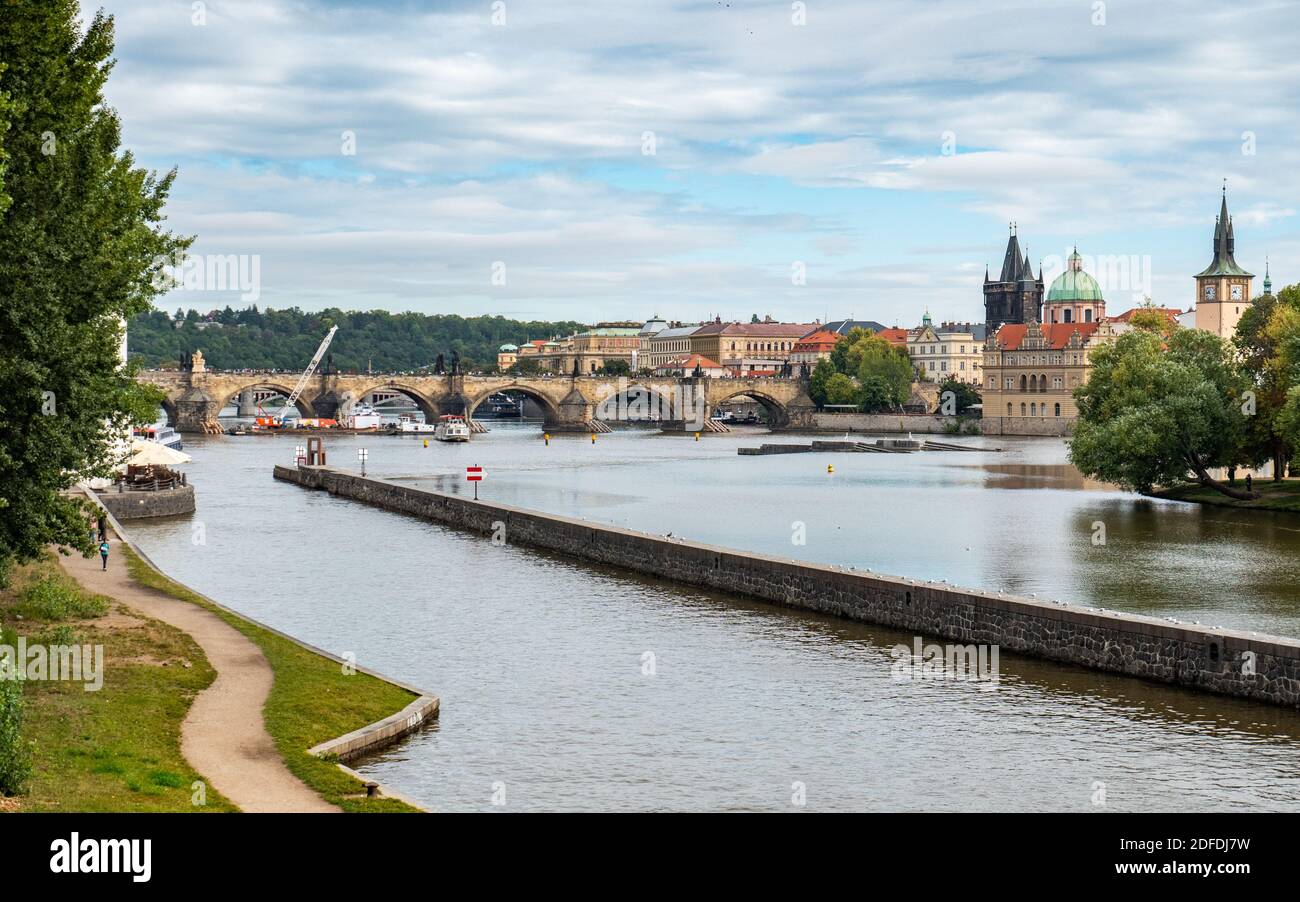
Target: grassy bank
(311, 701)
(117, 748)
(1274, 496)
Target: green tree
(964, 394)
(884, 372)
(616, 368)
(80, 246)
(821, 374)
(842, 389)
(1155, 410)
(1267, 341)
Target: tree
(964, 394)
(1267, 341)
(1156, 410)
(1150, 318)
(821, 374)
(616, 368)
(842, 389)
(80, 245)
(884, 372)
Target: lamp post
(362, 455)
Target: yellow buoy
(547, 436)
(426, 443)
(593, 438)
(830, 468)
(697, 436)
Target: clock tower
(1223, 287)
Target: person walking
(103, 553)
(103, 529)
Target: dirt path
(223, 736)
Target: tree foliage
(864, 370)
(286, 339)
(1155, 410)
(81, 231)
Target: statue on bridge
(576, 370)
(437, 366)
(455, 363)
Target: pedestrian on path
(103, 553)
(103, 529)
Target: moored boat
(451, 428)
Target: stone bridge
(193, 400)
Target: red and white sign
(473, 474)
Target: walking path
(223, 736)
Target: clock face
(1236, 292)
(1209, 292)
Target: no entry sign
(473, 474)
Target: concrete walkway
(223, 737)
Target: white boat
(163, 435)
(451, 428)
(411, 424)
(364, 417)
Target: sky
(543, 159)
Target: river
(568, 687)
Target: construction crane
(306, 374)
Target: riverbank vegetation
(312, 700)
(1273, 496)
(113, 749)
(369, 339)
(80, 229)
(864, 371)
(1165, 405)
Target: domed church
(1075, 296)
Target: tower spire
(1268, 282)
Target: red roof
(1057, 334)
(821, 340)
(894, 335)
(1170, 313)
(689, 361)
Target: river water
(569, 687)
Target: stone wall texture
(134, 505)
(1265, 668)
(1027, 425)
(921, 424)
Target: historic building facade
(1222, 288)
(949, 351)
(748, 347)
(1075, 296)
(1017, 295)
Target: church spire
(1224, 244)
(1268, 282)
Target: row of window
(933, 349)
(764, 345)
(1035, 409)
(943, 365)
(1030, 383)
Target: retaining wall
(1265, 668)
(875, 423)
(162, 503)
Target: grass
(118, 748)
(312, 699)
(1274, 496)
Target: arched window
(1042, 382)
(1033, 410)
(1008, 408)
(1058, 410)
(1067, 314)
(1023, 383)
(1022, 408)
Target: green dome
(1074, 284)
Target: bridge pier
(247, 404)
(197, 411)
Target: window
(1022, 408)
(1011, 383)
(1033, 410)
(1087, 316)
(1058, 410)
(1067, 315)
(1008, 408)
(943, 365)
(963, 364)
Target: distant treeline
(286, 339)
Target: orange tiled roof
(894, 335)
(1170, 313)
(690, 360)
(821, 340)
(1058, 335)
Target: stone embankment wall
(1056, 426)
(875, 423)
(1265, 668)
(162, 503)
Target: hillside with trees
(286, 339)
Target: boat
(364, 417)
(409, 424)
(451, 428)
(163, 435)
(501, 406)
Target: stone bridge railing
(193, 400)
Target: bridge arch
(303, 406)
(426, 405)
(777, 415)
(168, 405)
(549, 408)
(639, 402)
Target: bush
(15, 759)
(54, 599)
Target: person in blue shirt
(103, 553)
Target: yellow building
(1030, 374)
(748, 347)
(1223, 287)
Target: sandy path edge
(223, 736)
